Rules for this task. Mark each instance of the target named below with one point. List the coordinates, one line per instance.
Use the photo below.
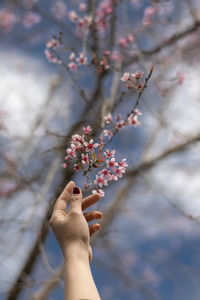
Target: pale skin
(73, 233)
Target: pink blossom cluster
(123, 42)
(86, 155)
(59, 9)
(51, 57)
(76, 61)
(132, 80)
(149, 13)
(7, 19)
(51, 45)
(82, 23)
(102, 63)
(118, 122)
(104, 10)
(31, 19)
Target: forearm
(79, 283)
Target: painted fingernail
(76, 190)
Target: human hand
(71, 227)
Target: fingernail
(76, 190)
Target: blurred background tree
(148, 247)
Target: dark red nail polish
(76, 190)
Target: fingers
(93, 215)
(90, 200)
(94, 228)
(76, 200)
(61, 202)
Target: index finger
(61, 202)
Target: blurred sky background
(151, 249)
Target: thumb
(76, 199)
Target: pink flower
(108, 118)
(85, 159)
(109, 153)
(76, 167)
(90, 146)
(120, 124)
(105, 174)
(53, 43)
(77, 139)
(133, 120)
(137, 75)
(119, 171)
(82, 7)
(71, 153)
(123, 163)
(51, 58)
(137, 112)
(107, 133)
(100, 181)
(59, 9)
(130, 38)
(73, 16)
(82, 59)
(72, 56)
(87, 129)
(125, 77)
(123, 42)
(149, 12)
(7, 19)
(72, 66)
(111, 163)
(113, 177)
(31, 19)
(99, 191)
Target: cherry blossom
(120, 124)
(7, 19)
(81, 59)
(72, 66)
(71, 153)
(76, 167)
(51, 58)
(110, 153)
(108, 118)
(100, 181)
(87, 129)
(82, 7)
(53, 43)
(72, 56)
(99, 191)
(111, 163)
(149, 12)
(59, 9)
(123, 42)
(123, 163)
(107, 133)
(125, 77)
(31, 19)
(85, 159)
(90, 146)
(73, 16)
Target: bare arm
(73, 234)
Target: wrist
(76, 251)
